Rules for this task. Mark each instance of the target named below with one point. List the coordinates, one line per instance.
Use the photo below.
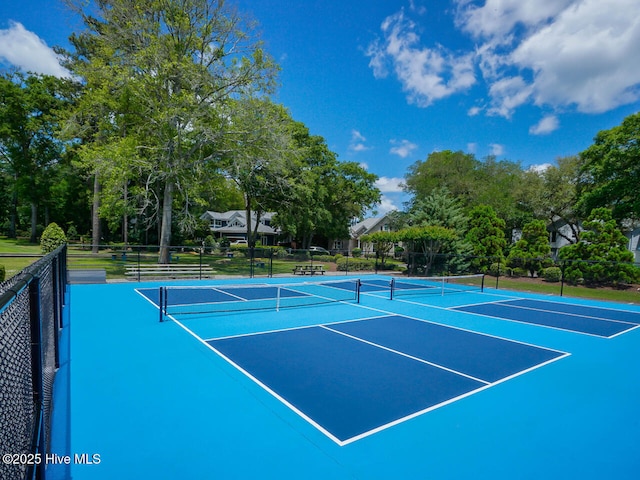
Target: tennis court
(349, 378)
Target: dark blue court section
(585, 310)
(198, 296)
(350, 387)
(480, 356)
(346, 386)
(538, 313)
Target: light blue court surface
(416, 387)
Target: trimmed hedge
(52, 237)
(552, 274)
(355, 264)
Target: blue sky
(387, 82)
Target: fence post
(562, 267)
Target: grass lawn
(17, 254)
(627, 295)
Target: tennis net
(437, 285)
(213, 299)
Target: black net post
(38, 440)
(161, 297)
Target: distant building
(357, 230)
(634, 243)
(233, 226)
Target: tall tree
(557, 197)
(29, 147)
(457, 171)
(178, 62)
(259, 158)
(472, 182)
(486, 237)
(610, 171)
(601, 256)
(327, 194)
(532, 252)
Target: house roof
(369, 225)
(238, 220)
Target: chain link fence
(31, 305)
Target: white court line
(397, 421)
(560, 313)
(402, 354)
(542, 325)
(300, 327)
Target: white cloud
(540, 168)
(588, 56)
(573, 52)
(386, 205)
(402, 148)
(498, 18)
(357, 143)
(27, 51)
(496, 149)
(426, 74)
(419, 9)
(473, 111)
(546, 125)
(472, 147)
(566, 54)
(388, 185)
(508, 94)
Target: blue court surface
(289, 379)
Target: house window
(554, 236)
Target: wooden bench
(310, 269)
(172, 271)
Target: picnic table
(310, 269)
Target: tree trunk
(13, 232)
(34, 223)
(165, 231)
(125, 220)
(95, 215)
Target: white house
(233, 225)
(634, 243)
(367, 226)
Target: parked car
(318, 251)
(240, 242)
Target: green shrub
(355, 264)
(519, 272)
(72, 233)
(496, 269)
(52, 237)
(3, 273)
(324, 258)
(552, 274)
(209, 244)
(356, 252)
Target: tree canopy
(601, 256)
(610, 171)
(170, 69)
